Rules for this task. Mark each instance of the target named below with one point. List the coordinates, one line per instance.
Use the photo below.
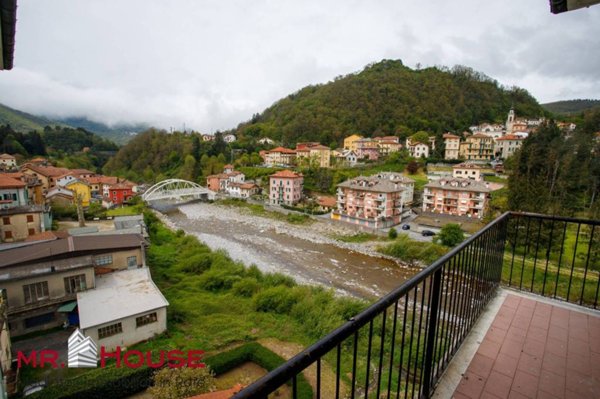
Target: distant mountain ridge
(571, 107)
(24, 122)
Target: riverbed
(309, 254)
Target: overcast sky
(212, 64)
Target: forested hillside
(22, 121)
(571, 107)
(388, 98)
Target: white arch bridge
(178, 190)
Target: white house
(266, 140)
(125, 308)
(350, 157)
(417, 149)
(7, 161)
(229, 138)
(63, 180)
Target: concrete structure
(459, 197)
(7, 161)
(507, 145)
(451, 146)
(279, 156)
(467, 170)
(103, 317)
(350, 142)
(41, 277)
(478, 147)
(374, 201)
(285, 187)
(315, 153)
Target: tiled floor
(535, 350)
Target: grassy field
(125, 211)
(259, 210)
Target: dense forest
(557, 174)
(571, 107)
(75, 148)
(388, 98)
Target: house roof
(288, 174)
(228, 166)
(47, 236)
(9, 182)
(450, 136)
(460, 184)
(6, 156)
(467, 165)
(282, 150)
(481, 136)
(48, 171)
(82, 172)
(327, 201)
(510, 137)
(70, 246)
(105, 303)
(8, 22)
(59, 191)
(375, 183)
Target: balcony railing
(400, 346)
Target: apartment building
(451, 146)
(367, 149)
(477, 147)
(372, 201)
(314, 152)
(42, 277)
(279, 156)
(285, 187)
(467, 170)
(47, 175)
(456, 196)
(350, 142)
(417, 149)
(388, 144)
(507, 145)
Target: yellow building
(350, 142)
(80, 188)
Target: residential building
(266, 140)
(118, 194)
(507, 145)
(104, 319)
(388, 144)
(350, 157)
(285, 187)
(374, 201)
(477, 147)
(314, 152)
(367, 149)
(47, 175)
(467, 170)
(456, 196)
(60, 196)
(208, 137)
(417, 149)
(228, 168)
(42, 277)
(81, 192)
(63, 180)
(34, 186)
(451, 146)
(350, 142)
(229, 138)
(13, 192)
(279, 156)
(242, 190)
(221, 182)
(7, 161)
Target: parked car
(427, 233)
(405, 227)
(33, 388)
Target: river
(307, 254)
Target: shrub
(195, 264)
(217, 280)
(175, 383)
(296, 218)
(246, 287)
(275, 299)
(275, 279)
(450, 235)
(392, 234)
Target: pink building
(456, 196)
(369, 201)
(285, 187)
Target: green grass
(357, 238)
(495, 179)
(125, 211)
(259, 210)
(408, 250)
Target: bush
(413, 251)
(450, 235)
(392, 234)
(275, 299)
(195, 264)
(296, 218)
(275, 279)
(217, 280)
(175, 383)
(246, 287)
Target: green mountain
(388, 98)
(571, 107)
(23, 122)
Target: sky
(209, 65)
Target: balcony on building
(513, 311)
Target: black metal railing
(555, 257)
(400, 346)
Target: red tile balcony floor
(534, 349)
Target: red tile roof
(49, 171)
(510, 137)
(282, 150)
(288, 174)
(327, 202)
(450, 136)
(9, 182)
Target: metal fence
(400, 346)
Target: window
(8, 235)
(35, 292)
(31, 231)
(111, 330)
(75, 284)
(103, 260)
(146, 319)
(29, 218)
(131, 262)
(5, 220)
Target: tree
(412, 167)
(392, 234)
(421, 137)
(183, 382)
(450, 235)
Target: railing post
(433, 316)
